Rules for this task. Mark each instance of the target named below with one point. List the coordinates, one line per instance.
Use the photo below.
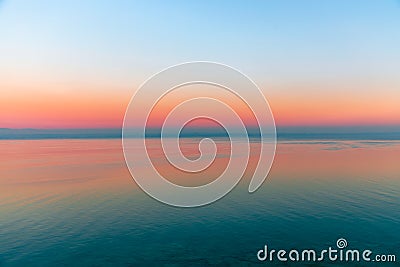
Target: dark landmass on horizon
(283, 133)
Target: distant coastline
(283, 133)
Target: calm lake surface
(73, 202)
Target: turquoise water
(73, 202)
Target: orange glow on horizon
(106, 108)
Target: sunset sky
(76, 64)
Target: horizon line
(282, 133)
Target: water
(73, 202)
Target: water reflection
(73, 201)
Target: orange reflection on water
(40, 168)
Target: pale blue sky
(318, 62)
(120, 41)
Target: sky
(76, 64)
